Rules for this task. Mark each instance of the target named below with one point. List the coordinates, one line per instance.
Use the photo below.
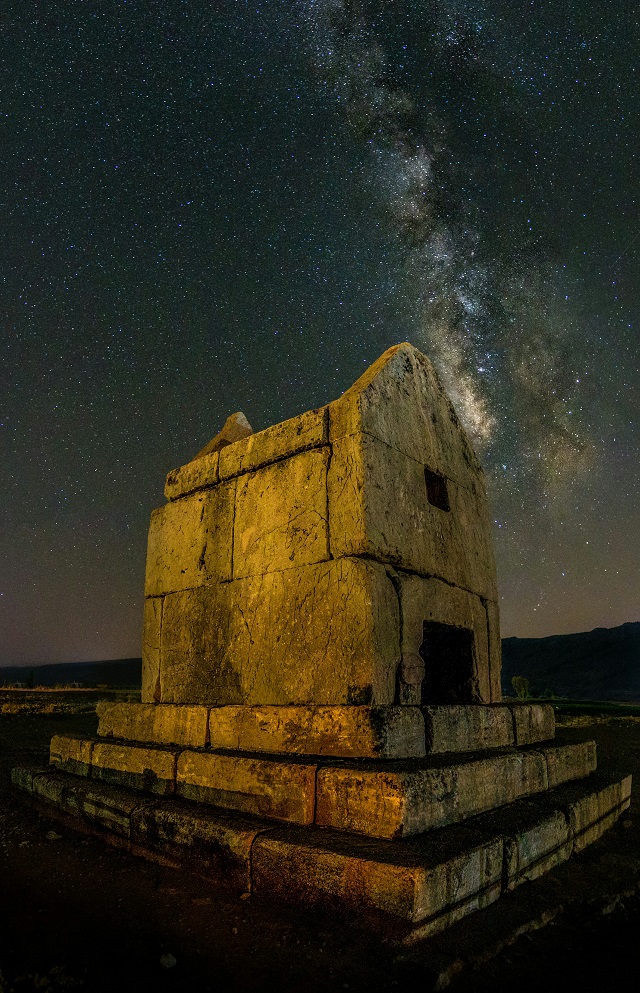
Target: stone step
(430, 881)
(384, 799)
(341, 732)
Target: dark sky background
(210, 207)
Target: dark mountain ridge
(603, 664)
(112, 672)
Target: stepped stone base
(422, 813)
(431, 880)
(383, 799)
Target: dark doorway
(449, 669)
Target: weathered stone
(138, 767)
(379, 506)
(281, 517)
(236, 428)
(151, 632)
(221, 842)
(323, 634)
(388, 802)
(533, 722)
(23, 777)
(102, 805)
(284, 791)
(71, 754)
(413, 881)
(467, 728)
(190, 541)
(347, 732)
(424, 601)
(428, 430)
(566, 762)
(166, 724)
(196, 475)
(590, 816)
(298, 434)
(535, 839)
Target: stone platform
(480, 799)
(430, 880)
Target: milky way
(488, 327)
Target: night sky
(220, 206)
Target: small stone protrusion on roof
(235, 428)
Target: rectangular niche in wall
(450, 674)
(437, 494)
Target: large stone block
(535, 839)
(388, 802)
(417, 882)
(590, 816)
(284, 791)
(298, 434)
(281, 516)
(567, 762)
(425, 601)
(379, 505)
(533, 722)
(71, 754)
(166, 724)
(140, 768)
(467, 728)
(347, 732)
(322, 634)
(428, 430)
(190, 541)
(219, 841)
(196, 475)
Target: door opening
(450, 673)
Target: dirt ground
(80, 915)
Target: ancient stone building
(321, 718)
(341, 557)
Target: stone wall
(300, 564)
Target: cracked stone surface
(299, 565)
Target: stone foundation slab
(386, 732)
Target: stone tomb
(321, 718)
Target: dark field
(81, 915)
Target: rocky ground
(81, 915)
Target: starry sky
(238, 205)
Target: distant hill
(603, 664)
(115, 672)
